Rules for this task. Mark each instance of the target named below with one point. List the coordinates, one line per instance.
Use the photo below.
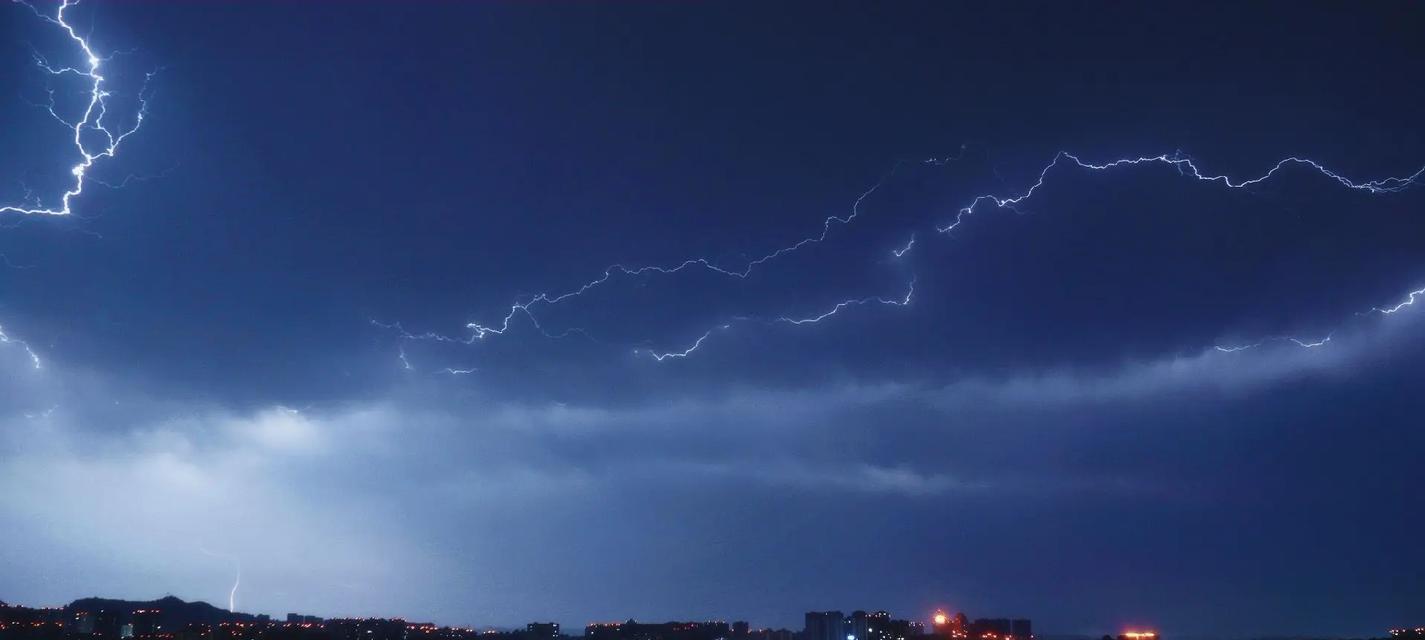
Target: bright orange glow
(1140, 635)
(941, 618)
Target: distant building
(542, 631)
(906, 630)
(1006, 629)
(868, 626)
(825, 625)
(990, 628)
(1418, 633)
(633, 630)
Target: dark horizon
(1102, 313)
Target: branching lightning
(93, 139)
(1187, 168)
(525, 308)
(1183, 165)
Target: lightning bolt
(1407, 302)
(900, 253)
(232, 594)
(43, 414)
(1264, 341)
(6, 339)
(94, 140)
(102, 140)
(237, 580)
(813, 319)
(686, 352)
(1186, 168)
(525, 308)
(1181, 164)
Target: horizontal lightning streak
(686, 352)
(1296, 341)
(835, 309)
(1406, 303)
(1183, 165)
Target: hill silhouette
(173, 611)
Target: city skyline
(157, 619)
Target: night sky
(262, 350)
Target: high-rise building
(825, 625)
(542, 631)
(868, 626)
(906, 630)
(990, 628)
(633, 630)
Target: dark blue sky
(1046, 429)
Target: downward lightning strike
(237, 580)
(232, 594)
(101, 140)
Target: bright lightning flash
(1183, 165)
(93, 139)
